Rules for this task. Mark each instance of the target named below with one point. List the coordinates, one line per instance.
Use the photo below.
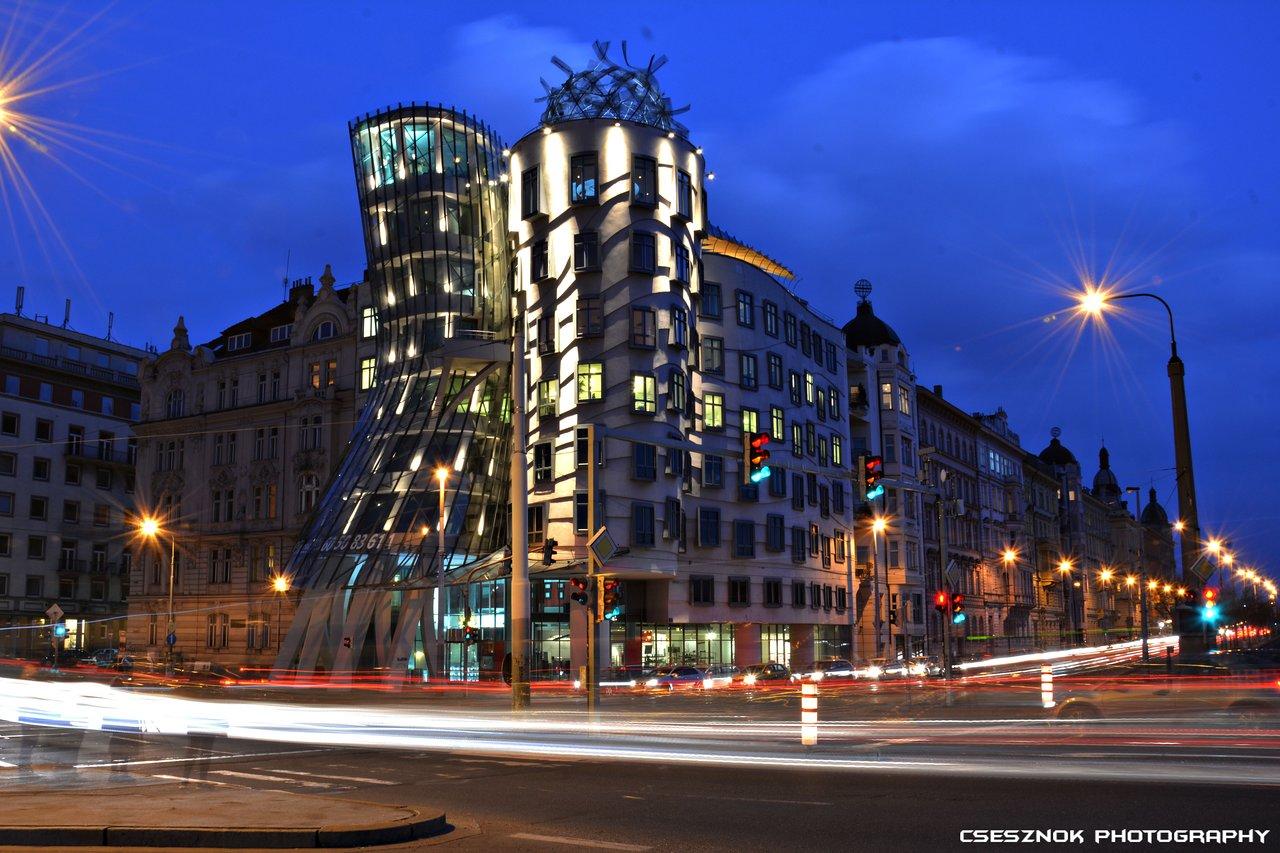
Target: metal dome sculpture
(609, 90)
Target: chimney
(937, 390)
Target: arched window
(327, 329)
(175, 404)
(309, 494)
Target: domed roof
(606, 89)
(868, 330)
(1105, 484)
(1153, 514)
(1055, 453)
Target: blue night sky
(967, 158)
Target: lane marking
(578, 842)
(330, 776)
(203, 781)
(762, 800)
(228, 756)
(264, 778)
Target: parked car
(102, 657)
(833, 669)
(631, 675)
(763, 673)
(721, 675)
(672, 678)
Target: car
(763, 673)
(631, 675)
(721, 675)
(102, 657)
(1203, 690)
(671, 678)
(832, 669)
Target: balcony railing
(99, 453)
(106, 374)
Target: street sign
(54, 613)
(171, 639)
(602, 546)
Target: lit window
(750, 421)
(644, 393)
(590, 381)
(547, 394)
(644, 180)
(886, 395)
(368, 373)
(583, 175)
(368, 321)
(713, 411)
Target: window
(101, 515)
(739, 592)
(797, 544)
(40, 468)
(746, 309)
(590, 381)
(35, 586)
(644, 461)
(584, 174)
(71, 512)
(904, 399)
(684, 194)
(683, 263)
(815, 596)
(35, 547)
(676, 390)
(770, 318)
(796, 388)
(712, 471)
(644, 180)
(368, 322)
(747, 376)
(797, 593)
(907, 452)
(642, 525)
(275, 385)
(833, 404)
(709, 300)
(539, 261)
(71, 476)
(709, 527)
(44, 430)
(644, 393)
(744, 539)
(777, 482)
(713, 355)
(580, 449)
(542, 467)
(529, 193)
(789, 328)
(806, 340)
(886, 396)
(579, 512)
(9, 423)
(831, 356)
(216, 630)
(586, 250)
(174, 404)
(6, 549)
(837, 497)
(308, 493)
(643, 252)
(702, 589)
(750, 421)
(264, 501)
(38, 509)
(774, 366)
(547, 398)
(6, 504)
(644, 328)
(774, 533)
(239, 342)
(590, 317)
(679, 337)
(713, 411)
(368, 373)
(324, 331)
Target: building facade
(239, 436)
(67, 453)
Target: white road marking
(229, 755)
(329, 776)
(578, 842)
(504, 763)
(760, 800)
(264, 778)
(7, 764)
(202, 781)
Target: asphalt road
(509, 803)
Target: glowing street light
(1065, 566)
(442, 480)
(880, 524)
(1009, 556)
(280, 583)
(1106, 575)
(1130, 580)
(149, 527)
(1179, 525)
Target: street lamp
(442, 480)
(1094, 302)
(281, 584)
(149, 527)
(879, 525)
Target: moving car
(763, 673)
(672, 678)
(1204, 690)
(720, 675)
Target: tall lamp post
(442, 480)
(281, 584)
(149, 527)
(1068, 600)
(1094, 302)
(878, 527)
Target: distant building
(238, 439)
(66, 483)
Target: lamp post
(442, 480)
(878, 526)
(281, 584)
(1068, 606)
(1094, 302)
(149, 527)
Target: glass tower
(433, 203)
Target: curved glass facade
(433, 204)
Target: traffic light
(610, 599)
(581, 590)
(549, 551)
(1209, 605)
(872, 471)
(470, 633)
(60, 630)
(942, 601)
(755, 457)
(957, 608)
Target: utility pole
(520, 625)
(592, 682)
(942, 573)
(1145, 625)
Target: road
(500, 802)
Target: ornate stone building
(238, 438)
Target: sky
(975, 161)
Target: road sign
(602, 546)
(171, 639)
(54, 613)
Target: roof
(260, 326)
(868, 330)
(720, 242)
(1153, 514)
(1057, 454)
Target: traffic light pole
(519, 523)
(946, 585)
(591, 684)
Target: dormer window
(281, 333)
(239, 342)
(324, 331)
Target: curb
(418, 826)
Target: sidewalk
(198, 816)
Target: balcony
(91, 452)
(54, 362)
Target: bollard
(1046, 685)
(808, 713)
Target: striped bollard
(808, 713)
(1046, 685)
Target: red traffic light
(580, 587)
(756, 450)
(1210, 594)
(872, 471)
(941, 601)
